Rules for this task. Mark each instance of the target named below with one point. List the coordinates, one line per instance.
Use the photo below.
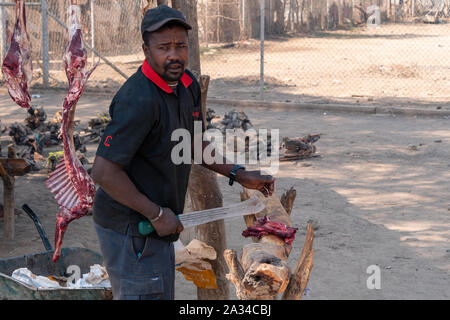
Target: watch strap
(233, 174)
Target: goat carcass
(74, 189)
(17, 66)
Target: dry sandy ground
(376, 201)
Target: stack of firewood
(231, 120)
(298, 148)
(31, 138)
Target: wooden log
(300, 276)
(251, 218)
(236, 273)
(287, 200)
(266, 272)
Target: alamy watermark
(374, 280)
(374, 20)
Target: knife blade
(195, 218)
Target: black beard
(167, 77)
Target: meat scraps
(17, 67)
(264, 226)
(74, 189)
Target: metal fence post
(2, 32)
(45, 47)
(261, 79)
(244, 35)
(93, 28)
(270, 17)
(206, 24)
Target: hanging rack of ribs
(17, 66)
(72, 186)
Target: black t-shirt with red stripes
(144, 114)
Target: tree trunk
(189, 9)
(203, 188)
(253, 12)
(278, 27)
(205, 193)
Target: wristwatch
(233, 174)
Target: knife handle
(145, 227)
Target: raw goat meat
(17, 66)
(74, 189)
(263, 226)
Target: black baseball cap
(157, 17)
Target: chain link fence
(323, 51)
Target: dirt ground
(377, 200)
(398, 64)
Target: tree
(203, 188)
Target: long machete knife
(195, 218)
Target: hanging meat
(17, 66)
(74, 189)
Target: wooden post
(8, 203)
(45, 44)
(9, 168)
(93, 29)
(287, 200)
(2, 33)
(300, 277)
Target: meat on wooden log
(265, 272)
(264, 226)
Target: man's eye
(162, 48)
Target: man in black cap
(138, 179)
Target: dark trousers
(138, 268)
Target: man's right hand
(168, 224)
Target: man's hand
(167, 224)
(256, 181)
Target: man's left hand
(256, 181)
